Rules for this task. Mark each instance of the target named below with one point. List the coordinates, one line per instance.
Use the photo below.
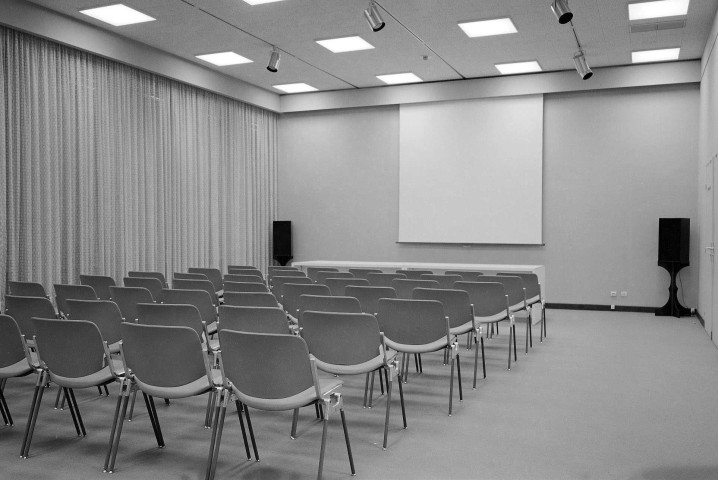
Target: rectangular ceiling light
(663, 55)
(222, 59)
(117, 15)
(662, 8)
(295, 88)
(345, 44)
(397, 78)
(518, 67)
(486, 28)
(259, 2)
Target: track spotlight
(373, 17)
(274, 58)
(562, 12)
(584, 71)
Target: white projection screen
(470, 172)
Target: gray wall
(614, 162)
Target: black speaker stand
(283, 259)
(673, 307)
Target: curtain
(105, 168)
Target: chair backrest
(321, 277)
(72, 292)
(189, 276)
(414, 274)
(324, 303)
(369, 296)
(363, 272)
(26, 289)
(159, 276)
(412, 322)
(277, 285)
(514, 287)
(405, 286)
(338, 285)
(11, 349)
(163, 356)
(244, 270)
(292, 292)
(100, 283)
(383, 279)
(23, 309)
(488, 298)
(445, 281)
(531, 283)
(457, 305)
(103, 313)
(127, 299)
(277, 268)
(312, 271)
(250, 299)
(466, 275)
(341, 338)
(233, 277)
(244, 287)
(253, 319)
(266, 366)
(174, 315)
(191, 284)
(154, 285)
(199, 298)
(213, 275)
(71, 349)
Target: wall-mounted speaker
(282, 241)
(673, 240)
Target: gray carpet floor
(607, 396)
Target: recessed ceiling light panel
(398, 78)
(345, 44)
(518, 67)
(295, 88)
(663, 55)
(485, 28)
(117, 15)
(260, 2)
(662, 8)
(222, 59)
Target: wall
(614, 162)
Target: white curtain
(105, 169)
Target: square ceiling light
(259, 2)
(399, 78)
(295, 88)
(486, 28)
(222, 59)
(662, 8)
(518, 67)
(345, 44)
(663, 55)
(117, 15)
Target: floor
(607, 396)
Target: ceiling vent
(656, 26)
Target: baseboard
(700, 319)
(607, 308)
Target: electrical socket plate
(613, 293)
(624, 293)
(613, 307)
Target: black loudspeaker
(282, 241)
(673, 240)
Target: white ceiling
(415, 29)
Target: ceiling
(421, 36)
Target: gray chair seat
(301, 399)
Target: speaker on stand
(282, 241)
(673, 241)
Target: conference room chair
(466, 275)
(281, 268)
(105, 314)
(196, 284)
(158, 275)
(26, 289)
(363, 272)
(514, 287)
(166, 362)
(189, 276)
(321, 277)
(23, 309)
(292, 292)
(534, 296)
(490, 305)
(213, 275)
(457, 308)
(233, 277)
(255, 272)
(383, 279)
(237, 268)
(244, 287)
(64, 292)
(15, 360)
(250, 299)
(277, 284)
(413, 274)
(100, 284)
(127, 299)
(416, 327)
(312, 271)
(200, 299)
(284, 273)
(58, 343)
(327, 303)
(445, 281)
(351, 344)
(369, 296)
(405, 286)
(153, 285)
(253, 319)
(338, 285)
(274, 373)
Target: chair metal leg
(483, 359)
(3, 382)
(218, 425)
(244, 432)
(60, 396)
(32, 418)
(132, 408)
(510, 337)
(458, 376)
(401, 397)
(421, 367)
(388, 406)
(251, 432)
(210, 409)
(366, 387)
(72, 412)
(531, 331)
(7, 418)
(295, 420)
(99, 390)
(381, 382)
(451, 386)
(167, 401)
(513, 327)
(125, 390)
(346, 439)
(324, 445)
(152, 412)
(476, 363)
(73, 401)
(371, 390)
(107, 392)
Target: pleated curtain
(105, 168)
